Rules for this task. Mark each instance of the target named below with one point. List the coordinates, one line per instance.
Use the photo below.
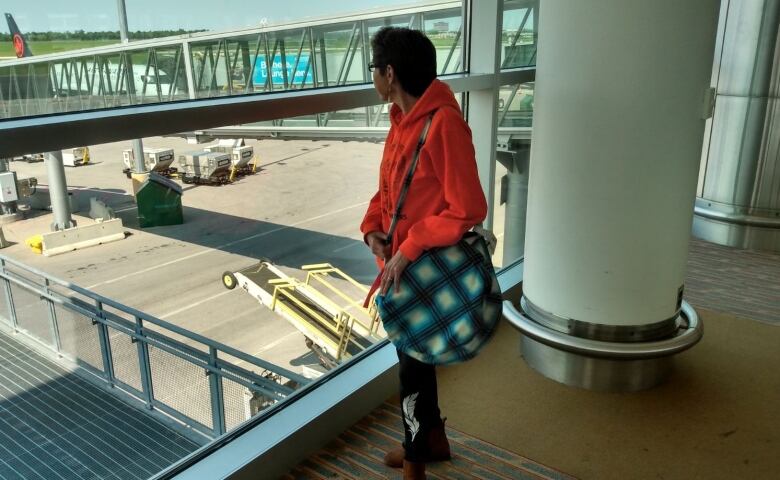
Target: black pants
(419, 405)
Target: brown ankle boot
(414, 471)
(438, 447)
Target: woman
(444, 200)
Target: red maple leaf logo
(18, 45)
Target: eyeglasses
(372, 66)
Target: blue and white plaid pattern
(448, 304)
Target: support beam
(58, 191)
(484, 53)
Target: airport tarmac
(303, 206)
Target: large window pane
(519, 36)
(244, 50)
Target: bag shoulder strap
(408, 180)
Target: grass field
(42, 48)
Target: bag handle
(408, 180)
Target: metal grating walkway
(56, 425)
(358, 452)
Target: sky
(101, 15)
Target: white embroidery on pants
(408, 407)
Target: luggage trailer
(333, 331)
(158, 160)
(240, 157)
(205, 168)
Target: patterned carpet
(357, 454)
(744, 283)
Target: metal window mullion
(92, 76)
(143, 363)
(54, 327)
(105, 344)
(323, 60)
(217, 395)
(250, 83)
(76, 69)
(232, 67)
(9, 294)
(298, 60)
(66, 84)
(482, 105)
(54, 85)
(27, 90)
(3, 103)
(214, 64)
(32, 89)
(452, 51)
(126, 77)
(346, 55)
(228, 70)
(15, 79)
(145, 78)
(313, 59)
(412, 18)
(509, 101)
(186, 52)
(366, 74)
(175, 79)
(101, 84)
(283, 57)
(157, 76)
(351, 54)
(201, 73)
(268, 64)
(87, 81)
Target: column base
(738, 227)
(595, 373)
(602, 365)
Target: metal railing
(190, 378)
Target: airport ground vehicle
(240, 156)
(158, 160)
(334, 322)
(205, 168)
(75, 157)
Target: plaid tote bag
(449, 301)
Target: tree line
(108, 35)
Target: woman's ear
(390, 74)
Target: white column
(615, 153)
(484, 44)
(58, 191)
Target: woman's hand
(377, 242)
(392, 273)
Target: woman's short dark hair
(411, 54)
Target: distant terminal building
(441, 27)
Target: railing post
(11, 307)
(55, 330)
(217, 397)
(105, 344)
(143, 362)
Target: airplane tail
(20, 44)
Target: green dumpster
(159, 202)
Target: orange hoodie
(445, 198)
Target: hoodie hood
(436, 96)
